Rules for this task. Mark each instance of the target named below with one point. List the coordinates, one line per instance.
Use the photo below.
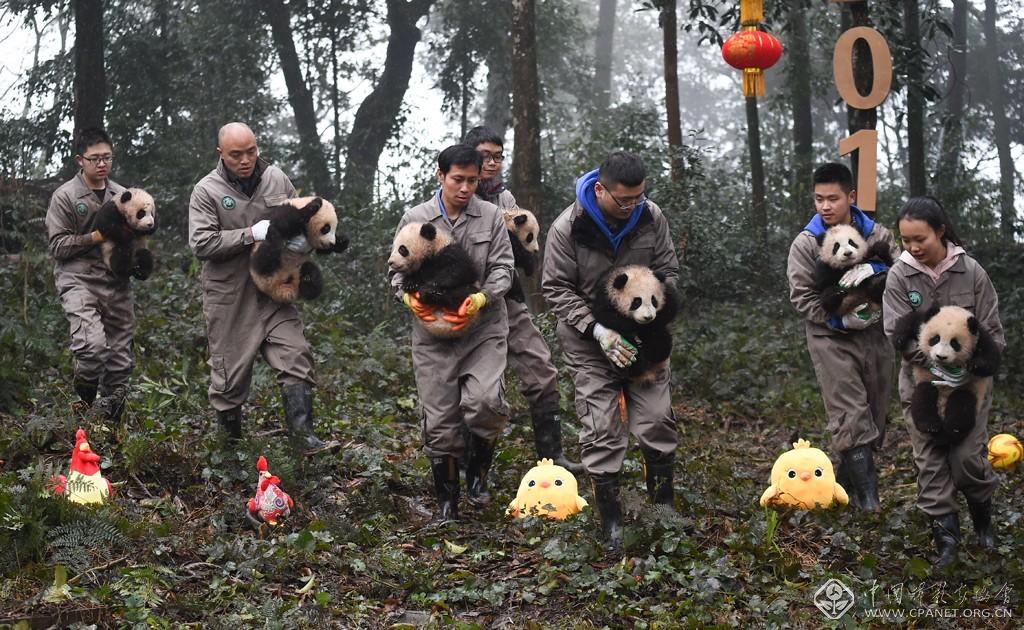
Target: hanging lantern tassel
(751, 12)
(753, 82)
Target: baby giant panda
(524, 232)
(952, 337)
(842, 247)
(284, 271)
(639, 304)
(437, 269)
(125, 221)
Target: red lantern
(753, 52)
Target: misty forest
(354, 100)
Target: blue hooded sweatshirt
(588, 199)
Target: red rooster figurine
(271, 502)
(84, 483)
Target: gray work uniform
(576, 258)
(528, 353)
(241, 321)
(99, 307)
(943, 470)
(460, 380)
(854, 368)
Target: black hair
(622, 167)
(478, 135)
(929, 209)
(458, 155)
(90, 136)
(834, 173)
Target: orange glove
(421, 310)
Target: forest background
(353, 99)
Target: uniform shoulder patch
(228, 202)
(915, 299)
(81, 208)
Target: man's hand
(472, 304)
(855, 275)
(259, 230)
(97, 236)
(948, 375)
(419, 309)
(619, 351)
(861, 318)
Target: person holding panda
(935, 271)
(611, 224)
(528, 353)
(228, 212)
(459, 379)
(99, 307)
(852, 359)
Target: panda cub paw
(143, 264)
(311, 281)
(110, 223)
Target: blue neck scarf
(444, 211)
(588, 199)
(858, 218)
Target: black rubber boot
(446, 486)
(946, 533)
(606, 496)
(298, 415)
(231, 423)
(844, 480)
(981, 517)
(86, 391)
(547, 437)
(114, 401)
(658, 473)
(481, 453)
(859, 468)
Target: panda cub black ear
(973, 326)
(126, 196)
(620, 281)
(521, 219)
(820, 238)
(428, 231)
(662, 278)
(932, 311)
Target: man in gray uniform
(852, 359)
(460, 380)
(528, 353)
(612, 223)
(99, 307)
(227, 214)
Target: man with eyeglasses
(227, 214)
(528, 353)
(611, 223)
(99, 308)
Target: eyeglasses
(99, 159)
(497, 158)
(626, 204)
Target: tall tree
(526, 170)
(797, 63)
(90, 83)
(915, 98)
(949, 172)
(603, 54)
(299, 96)
(377, 117)
(759, 207)
(669, 30)
(997, 104)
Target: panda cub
(437, 269)
(125, 221)
(284, 271)
(639, 304)
(952, 337)
(524, 232)
(842, 247)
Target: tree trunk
(377, 117)
(800, 94)
(856, 14)
(526, 171)
(90, 84)
(675, 128)
(603, 55)
(997, 103)
(300, 97)
(498, 101)
(915, 99)
(948, 173)
(759, 208)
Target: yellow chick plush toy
(803, 478)
(547, 490)
(1004, 451)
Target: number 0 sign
(865, 141)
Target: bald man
(226, 215)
